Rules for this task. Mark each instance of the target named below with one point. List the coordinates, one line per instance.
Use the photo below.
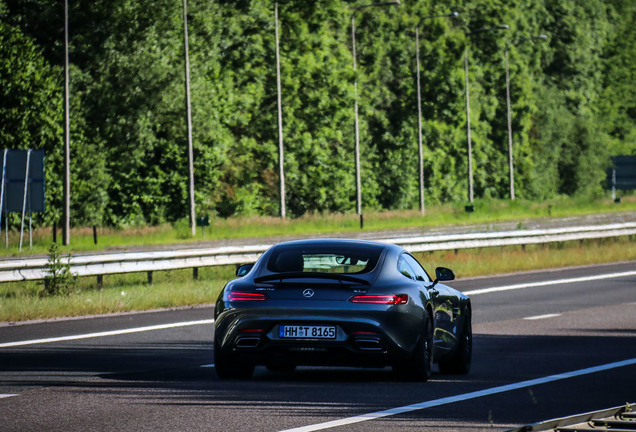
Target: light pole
(470, 149)
(66, 227)
(280, 122)
(193, 223)
(419, 103)
(510, 157)
(355, 92)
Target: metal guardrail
(97, 265)
(512, 238)
(131, 262)
(621, 418)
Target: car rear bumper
(370, 338)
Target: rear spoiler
(306, 275)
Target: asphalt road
(541, 351)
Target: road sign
(14, 173)
(622, 175)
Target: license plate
(307, 332)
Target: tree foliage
(573, 102)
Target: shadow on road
(152, 377)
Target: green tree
(572, 102)
(30, 104)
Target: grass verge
(486, 211)
(131, 292)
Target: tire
(419, 366)
(230, 366)
(459, 362)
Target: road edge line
(461, 398)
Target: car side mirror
(443, 274)
(244, 269)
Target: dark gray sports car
(341, 302)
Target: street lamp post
(470, 150)
(510, 156)
(355, 91)
(193, 223)
(419, 103)
(280, 122)
(66, 226)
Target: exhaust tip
(369, 344)
(247, 342)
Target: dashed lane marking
(540, 317)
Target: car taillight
(245, 296)
(381, 299)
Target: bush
(59, 279)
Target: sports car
(337, 302)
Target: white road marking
(551, 282)
(461, 398)
(106, 333)
(540, 317)
(211, 365)
(7, 395)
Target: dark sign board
(622, 175)
(203, 221)
(14, 172)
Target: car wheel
(419, 367)
(229, 366)
(460, 361)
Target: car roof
(336, 242)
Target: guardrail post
(149, 278)
(100, 282)
(195, 273)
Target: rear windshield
(341, 259)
